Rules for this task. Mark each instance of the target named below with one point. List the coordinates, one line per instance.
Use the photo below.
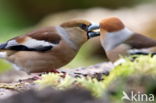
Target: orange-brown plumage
(75, 23)
(111, 24)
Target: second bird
(117, 40)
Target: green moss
(144, 65)
(57, 81)
(92, 84)
(141, 65)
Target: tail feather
(3, 45)
(3, 52)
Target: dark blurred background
(21, 16)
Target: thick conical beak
(93, 27)
(91, 32)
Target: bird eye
(83, 26)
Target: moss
(142, 65)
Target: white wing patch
(11, 43)
(135, 51)
(30, 43)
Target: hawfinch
(117, 40)
(48, 48)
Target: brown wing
(139, 41)
(39, 40)
(48, 34)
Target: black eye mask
(84, 27)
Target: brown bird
(48, 48)
(117, 40)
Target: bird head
(83, 26)
(111, 24)
(113, 33)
